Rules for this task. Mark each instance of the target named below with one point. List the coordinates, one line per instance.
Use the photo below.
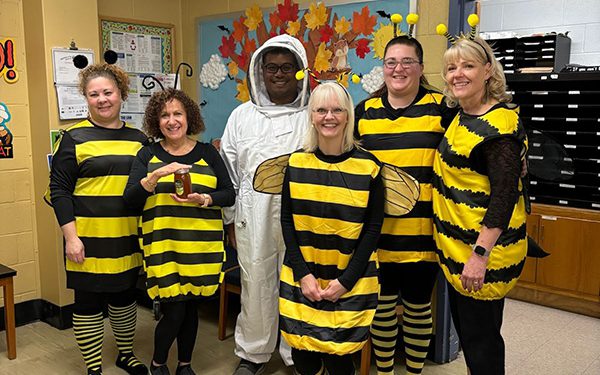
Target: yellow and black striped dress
(182, 242)
(89, 172)
(406, 138)
(460, 200)
(329, 203)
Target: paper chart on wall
(137, 53)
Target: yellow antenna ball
(355, 79)
(396, 18)
(300, 75)
(441, 29)
(412, 18)
(473, 20)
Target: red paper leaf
(362, 48)
(287, 11)
(227, 47)
(326, 33)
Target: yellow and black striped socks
(89, 333)
(123, 321)
(417, 325)
(384, 331)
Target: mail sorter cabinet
(549, 50)
(562, 115)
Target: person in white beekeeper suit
(271, 124)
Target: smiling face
(330, 119)
(281, 87)
(466, 79)
(402, 80)
(104, 100)
(173, 121)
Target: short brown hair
(157, 103)
(108, 71)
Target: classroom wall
(580, 17)
(18, 248)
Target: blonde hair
(323, 92)
(477, 50)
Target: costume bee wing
(548, 159)
(55, 146)
(269, 175)
(401, 190)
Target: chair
(231, 284)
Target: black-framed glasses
(285, 68)
(324, 111)
(406, 63)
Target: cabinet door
(529, 270)
(574, 261)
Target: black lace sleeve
(503, 165)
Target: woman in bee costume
(332, 209)
(478, 205)
(402, 124)
(88, 176)
(181, 236)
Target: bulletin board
(225, 44)
(141, 47)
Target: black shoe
(94, 372)
(159, 370)
(184, 370)
(249, 368)
(131, 365)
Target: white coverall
(256, 131)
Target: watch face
(480, 250)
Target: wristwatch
(481, 251)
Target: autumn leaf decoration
(327, 38)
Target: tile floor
(539, 340)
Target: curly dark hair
(157, 103)
(108, 71)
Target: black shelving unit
(549, 50)
(561, 112)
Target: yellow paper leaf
(316, 16)
(233, 68)
(342, 26)
(243, 94)
(293, 28)
(322, 58)
(254, 17)
(343, 80)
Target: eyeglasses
(324, 111)
(406, 63)
(285, 68)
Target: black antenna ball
(80, 61)
(110, 56)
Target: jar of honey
(183, 183)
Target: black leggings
(478, 324)
(179, 320)
(92, 303)
(309, 363)
(414, 280)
